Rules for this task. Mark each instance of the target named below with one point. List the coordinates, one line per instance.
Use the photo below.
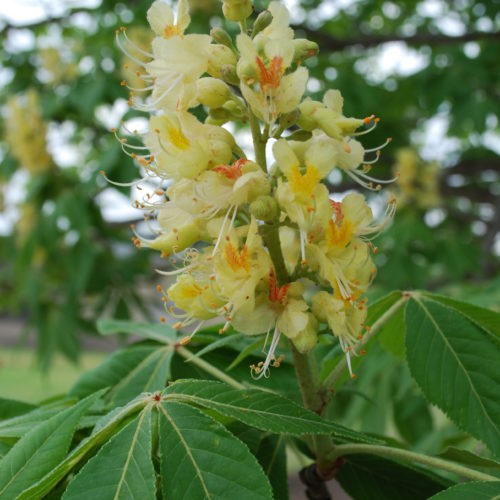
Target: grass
(21, 378)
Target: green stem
(410, 456)
(207, 367)
(340, 368)
(311, 394)
(259, 141)
(271, 236)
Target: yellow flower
(303, 198)
(161, 18)
(183, 147)
(345, 320)
(239, 268)
(232, 185)
(262, 67)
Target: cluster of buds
(266, 249)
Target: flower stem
(340, 368)
(207, 367)
(410, 456)
(270, 235)
(259, 141)
(311, 394)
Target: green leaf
(245, 353)
(270, 451)
(201, 459)
(40, 450)
(121, 469)
(475, 490)
(129, 372)
(412, 417)
(392, 335)
(104, 428)
(456, 365)
(16, 427)
(468, 458)
(161, 333)
(366, 476)
(486, 319)
(216, 344)
(12, 408)
(261, 409)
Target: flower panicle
(256, 242)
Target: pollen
(185, 340)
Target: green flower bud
(220, 57)
(237, 10)
(228, 74)
(299, 135)
(289, 119)
(263, 20)
(307, 338)
(212, 92)
(264, 208)
(235, 108)
(222, 37)
(308, 109)
(303, 49)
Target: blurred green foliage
(73, 265)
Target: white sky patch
(110, 116)
(116, 207)
(392, 59)
(14, 193)
(21, 12)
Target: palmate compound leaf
(475, 490)
(121, 469)
(456, 365)
(128, 372)
(257, 408)
(41, 449)
(200, 458)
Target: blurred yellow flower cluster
(267, 239)
(26, 132)
(418, 181)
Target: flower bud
(299, 135)
(289, 119)
(228, 74)
(307, 338)
(220, 57)
(263, 20)
(212, 92)
(303, 49)
(264, 208)
(307, 120)
(177, 240)
(235, 108)
(221, 36)
(237, 10)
